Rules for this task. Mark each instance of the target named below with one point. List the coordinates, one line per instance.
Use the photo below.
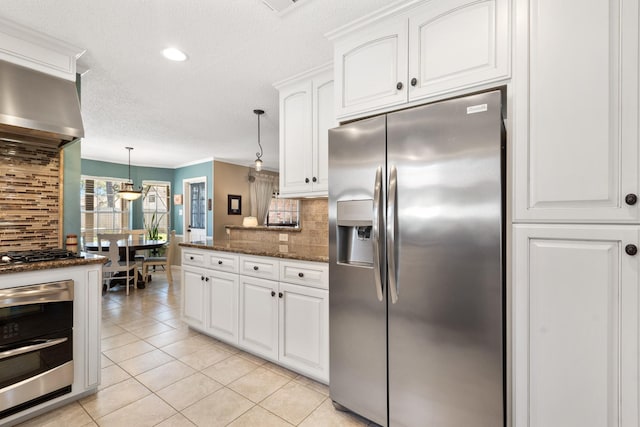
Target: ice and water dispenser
(355, 221)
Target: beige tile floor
(158, 372)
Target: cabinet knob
(255, 267)
(206, 279)
(219, 262)
(300, 274)
(273, 293)
(306, 180)
(191, 258)
(414, 81)
(314, 179)
(630, 199)
(201, 277)
(279, 294)
(399, 86)
(631, 249)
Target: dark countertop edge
(48, 265)
(264, 228)
(257, 252)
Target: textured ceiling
(172, 113)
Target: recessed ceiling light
(174, 54)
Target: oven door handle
(33, 345)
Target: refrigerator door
(445, 238)
(357, 308)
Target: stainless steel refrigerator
(416, 299)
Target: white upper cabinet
(371, 68)
(457, 44)
(423, 50)
(576, 111)
(306, 115)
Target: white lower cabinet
(304, 329)
(222, 313)
(575, 326)
(276, 309)
(259, 316)
(193, 300)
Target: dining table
(135, 243)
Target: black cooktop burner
(37, 256)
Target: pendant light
(258, 162)
(127, 191)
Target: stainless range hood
(37, 108)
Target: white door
(195, 209)
(295, 138)
(304, 329)
(323, 120)
(193, 300)
(576, 111)
(457, 44)
(259, 316)
(575, 326)
(371, 68)
(223, 306)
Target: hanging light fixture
(127, 191)
(258, 162)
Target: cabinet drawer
(266, 268)
(191, 257)
(305, 273)
(222, 261)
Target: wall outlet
(283, 237)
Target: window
(198, 205)
(101, 209)
(155, 208)
(284, 212)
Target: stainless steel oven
(36, 344)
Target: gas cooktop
(37, 256)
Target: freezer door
(357, 308)
(445, 264)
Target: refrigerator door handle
(377, 225)
(392, 230)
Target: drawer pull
(255, 267)
(219, 262)
(301, 275)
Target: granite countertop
(256, 247)
(46, 265)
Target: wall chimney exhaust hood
(38, 108)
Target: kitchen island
(270, 299)
(83, 276)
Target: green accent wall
(138, 174)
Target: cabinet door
(575, 110)
(222, 315)
(370, 65)
(323, 120)
(295, 138)
(193, 298)
(259, 316)
(575, 326)
(304, 330)
(457, 44)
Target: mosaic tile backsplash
(29, 197)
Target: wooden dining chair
(164, 261)
(117, 264)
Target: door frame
(186, 183)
